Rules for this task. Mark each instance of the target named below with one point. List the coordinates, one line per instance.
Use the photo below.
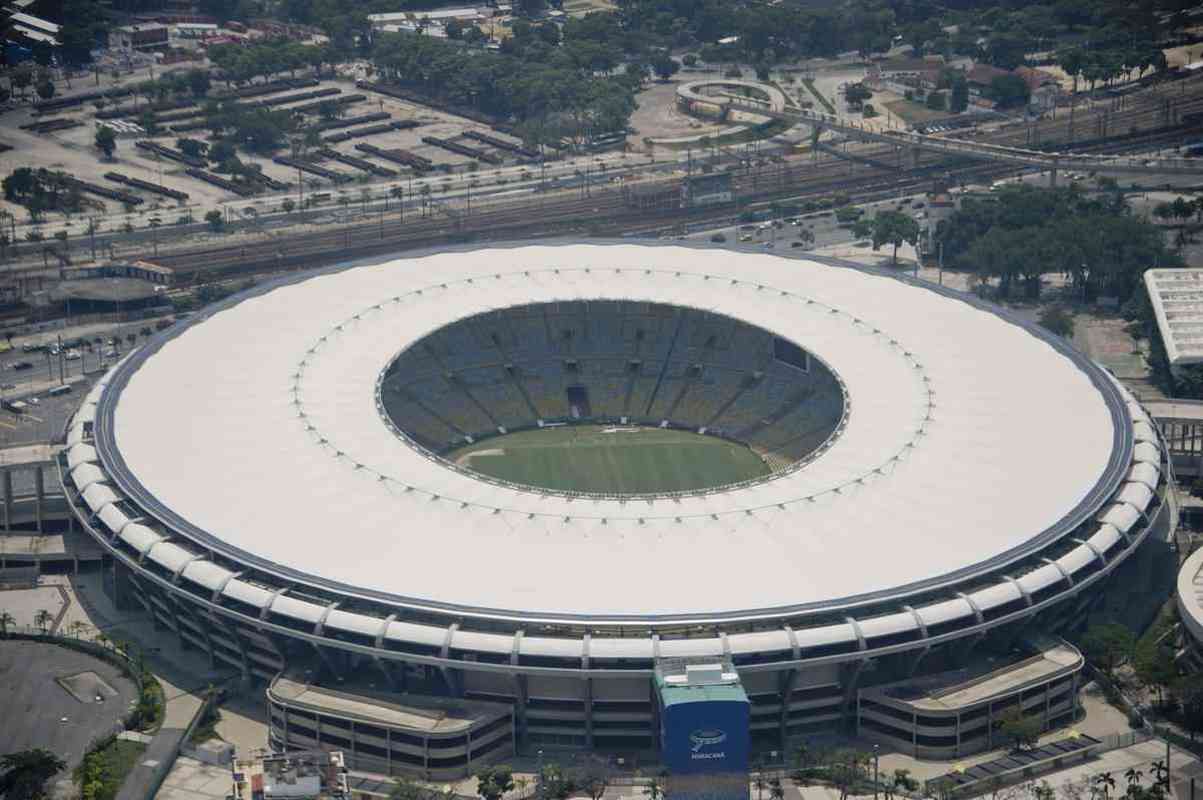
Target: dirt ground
(579, 8)
(910, 112)
(657, 116)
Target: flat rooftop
(1177, 298)
(418, 713)
(950, 691)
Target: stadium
(461, 503)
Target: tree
(1107, 645)
(6, 619)
(1189, 691)
(1058, 320)
(1155, 668)
(216, 220)
(1023, 731)
(664, 66)
(21, 79)
(494, 781)
(25, 773)
(856, 93)
(221, 151)
(106, 141)
(42, 619)
(958, 99)
(654, 788)
(1009, 91)
(198, 82)
(288, 205)
(1104, 782)
(593, 781)
(902, 779)
(45, 89)
(555, 783)
(193, 148)
(894, 228)
(405, 789)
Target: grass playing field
(596, 458)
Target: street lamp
(539, 776)
(876, 748)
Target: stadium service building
(271, 481)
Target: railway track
(609, 210)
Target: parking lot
(39, 712)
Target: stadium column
(451, 676)
(787, 680)
(588, 695)
(39, 492)
(1012, 632)
(216, 622)
(327, 657)
(178, 607)
(654, 694)
(520, 691)
(964, 647)
(918, 656)
(8, 500)
(851, 678)
(378, 645)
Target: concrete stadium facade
(577, 669)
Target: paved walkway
(181, 707)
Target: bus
(58, 390)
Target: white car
(72, 355)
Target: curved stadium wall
(587, 679)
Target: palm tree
(1162, 774)
(6, 619)
(760, 783)
(1133, 775)
(776, 790)
(802, 756)
(42, 619)
(901, 779)
(1105, 781)
(27, 772)
(654, 789)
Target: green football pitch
(612, 459)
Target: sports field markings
(607, 459)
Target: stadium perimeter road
(38, 712)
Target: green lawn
(588, 459)
(108, 767)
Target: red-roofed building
(1043, 86)
(980, 77)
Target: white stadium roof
(256, 428)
